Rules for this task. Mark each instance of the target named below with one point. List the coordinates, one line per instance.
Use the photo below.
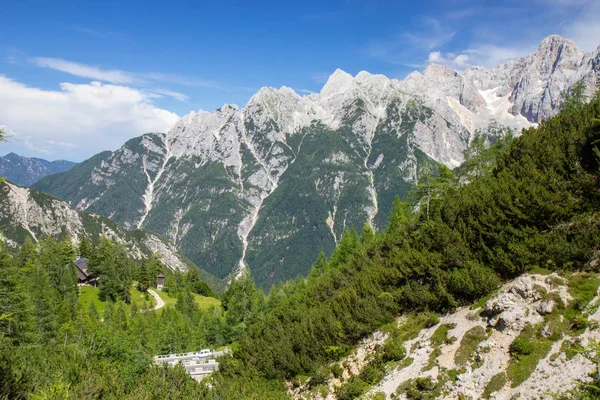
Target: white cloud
(117, 75)
(121, 77)
(456, 61)
(305, 91)
(489, 55)
(86, 71)
(171, 93)
(79, 120)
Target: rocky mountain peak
(439, 71)
(555, 52)
(339, 81)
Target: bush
(320, 377)
(468, 345)
(579, 323)
(352, 389)
(337, 370)
(432, 319)
(371, 374)
(335, 352)
(521, 347)
(417, 389)
(393, 349)
(496, 383)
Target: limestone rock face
(26, 212)
(518, 303)
(271, 184)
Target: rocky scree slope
(270, 185)
(27, 171)
(522, 343)
(26, 212)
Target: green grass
(440, 336)
(521, 366)
(468, 345)
(89, 294)
(414, 324)
(202, 301)
(433, 356)
(206, 302)
(496, 383)
(583, 288)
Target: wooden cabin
(83, 275)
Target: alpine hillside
(270, 185)
(26, 213)
(27, 171)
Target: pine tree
(197, 285)
(320, 266)
(349, 245)
(86, 248)
(241, 302)
(400, 215)
(17, 323)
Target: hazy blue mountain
(27, 171)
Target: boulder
(545, 307)
(506, 312)
(525, 287)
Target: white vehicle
(204, 352)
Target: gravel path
(159, 302)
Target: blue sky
(79, 77)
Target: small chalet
(83, 275)
(160, 282)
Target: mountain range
(27, 171)
(26, 212)
(270, 185)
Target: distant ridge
(26, 171)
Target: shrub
(432, 319)
(378, 396)
(337, 370)
(335, 352)
(352, 389)
(393, 349)
(521, 347)
(371, 374)
(579, 322)
(320, 377)
(496, 383)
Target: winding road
(159, 302)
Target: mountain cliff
(269, 185)
(27, 171)
(26, 212)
